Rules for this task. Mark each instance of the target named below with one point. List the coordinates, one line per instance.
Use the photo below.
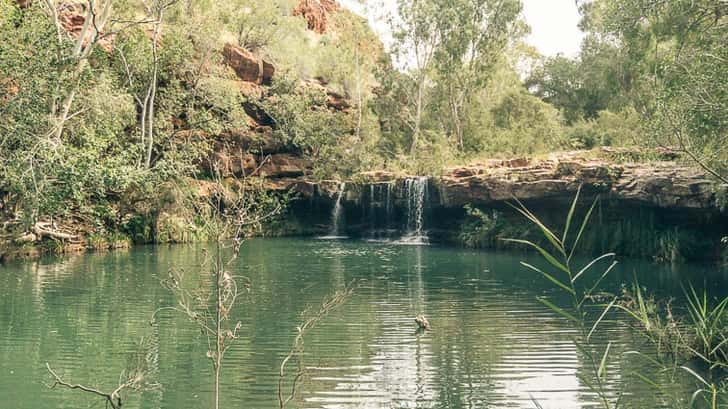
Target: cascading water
(372, 209)
(388, 205)
(336, 215)
(379, 211)
(416, 194)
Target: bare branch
(296, 352)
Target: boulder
(260, 140)
(285, 165)
(303, 188)
(334, 100)
(337, 102)
(257, 114)
(230, 163)
(247, 66)
(316, 13)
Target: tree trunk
(418, 115)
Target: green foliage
(676, 53)
(607, 129)
(473, 36)
(303, 120)
(107, 241)
(583, 87)
(91, 161)
(523, 124)
(488, 230)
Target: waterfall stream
(416, 194)
(336, 215)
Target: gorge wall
(659, 210)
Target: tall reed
(703, 335)
(572, 281)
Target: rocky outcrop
(8, 89)
(284, 165)
(72, 17)
(661, 184)
(254, 152)
(247, 66)
(316, 13)
(334, 100)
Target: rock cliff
(316, 13)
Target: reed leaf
(602, 372)
(557, 309)
(588, 266)
(570, 215)
(551, 259)
(695, 375)
(584, 223)
(601, 317)
(549, 277)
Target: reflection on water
(492, 345)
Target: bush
(608, 129)
(523, 124)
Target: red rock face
(247, 66)
(72, 17)
(284, 165)
(316, 13)
(8, 89)
(334, 100)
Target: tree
(416, 41)
(155, 10)
(97, 15)
(677, 49)
(473, 37)
(598, 79)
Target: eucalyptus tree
(474, 35)
(96, 15)
(678, 55)
(598, 79)
(416, 40)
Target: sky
(554, 27)
(553, 23)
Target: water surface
(493, 345)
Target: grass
(702, 335)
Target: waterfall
(336, 215)
(372, 210)
(378, 210)
(416, 194)
(388, 205)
